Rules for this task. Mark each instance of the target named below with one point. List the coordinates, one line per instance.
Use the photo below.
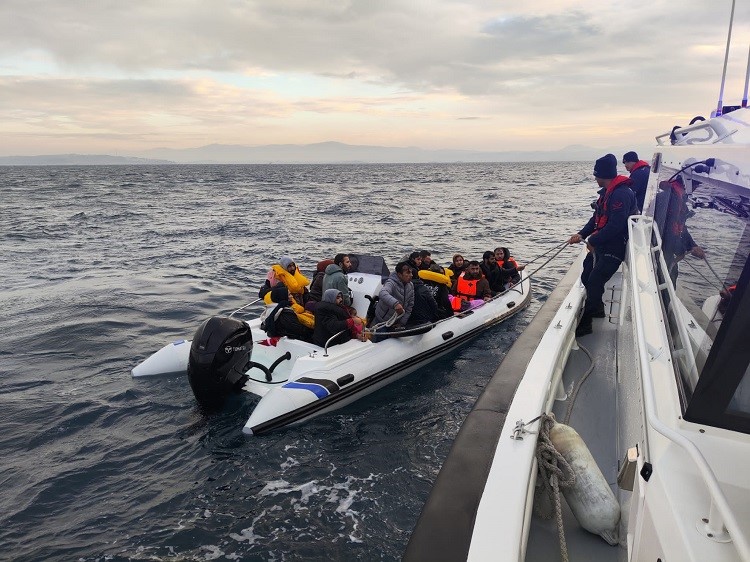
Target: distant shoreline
(320, 153)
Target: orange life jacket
(510, 260)
(602, 204)
(466, 288)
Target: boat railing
(329, 341)
(245, 306)
(720, 515)
(681, 350)
(715, 133)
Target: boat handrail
(243, 307)
(639, 229)
(329, 340)
(681, 138)
(692, 368)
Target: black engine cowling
(220, 350)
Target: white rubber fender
(590, 499)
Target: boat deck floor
(594, 417)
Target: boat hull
(356, 369)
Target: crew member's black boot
(585, 326)
(599, 312)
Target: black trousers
(598, 268)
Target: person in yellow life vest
(287, 318)
(288, 274)
(470, 287)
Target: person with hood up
(287, 318)
(396, 296)
(606, 235)
(335, 277)
(331, 317)
(288, 274)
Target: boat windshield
(703, 220)
(364, 263)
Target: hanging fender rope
(555, 473)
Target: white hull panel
(172, 358)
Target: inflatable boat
(297, 380)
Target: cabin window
(704, 224)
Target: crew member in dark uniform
(639, 171)
(606, 236)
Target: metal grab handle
(329, 340)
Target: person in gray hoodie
(397, 295)
(335, 277)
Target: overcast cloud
(118, 77)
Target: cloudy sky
(113, 77)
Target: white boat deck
(593, 418)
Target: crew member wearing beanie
(606, 235)
(639, 171)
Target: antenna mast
(720, 105)
(747, 78)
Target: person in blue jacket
(639, 171)
(606, 235)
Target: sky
(119, 77)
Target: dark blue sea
(101, 266)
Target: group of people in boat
(417, 294)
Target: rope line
(579, 384)
(553, 469)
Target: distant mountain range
(76, 160)
(318, 153)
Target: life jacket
(510, 261)
(677, 210)
(602, 204)
(639, 164)
(466, 287)
(428, 275)
(295, 283)
(466, 290)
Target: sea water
(101, 266)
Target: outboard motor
(220, 351)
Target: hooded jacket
(394, 291)
(330, 319)
(335, 278)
